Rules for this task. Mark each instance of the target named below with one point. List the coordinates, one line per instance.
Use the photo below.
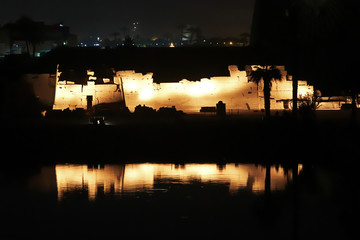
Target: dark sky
(156, 17)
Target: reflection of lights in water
(140, 177)
(80, 177)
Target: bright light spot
(146, 94)
(131, 85)
(201, 88)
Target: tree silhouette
(267, 74)
(196, 35)
(181, 28)
(25, 29)
(128, 42)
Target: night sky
(216, 18)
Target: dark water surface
(171, 201)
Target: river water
(176, 201)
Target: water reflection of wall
(91, 179)
(129, 178)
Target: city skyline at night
(159, 18)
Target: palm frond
(264, 72)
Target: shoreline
(188, 138)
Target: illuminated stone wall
(234, 90)
(72, 96)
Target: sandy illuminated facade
(72, 96)
(235, 90)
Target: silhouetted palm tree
(267, 74)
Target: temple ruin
(235, 90)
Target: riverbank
(188, 138)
